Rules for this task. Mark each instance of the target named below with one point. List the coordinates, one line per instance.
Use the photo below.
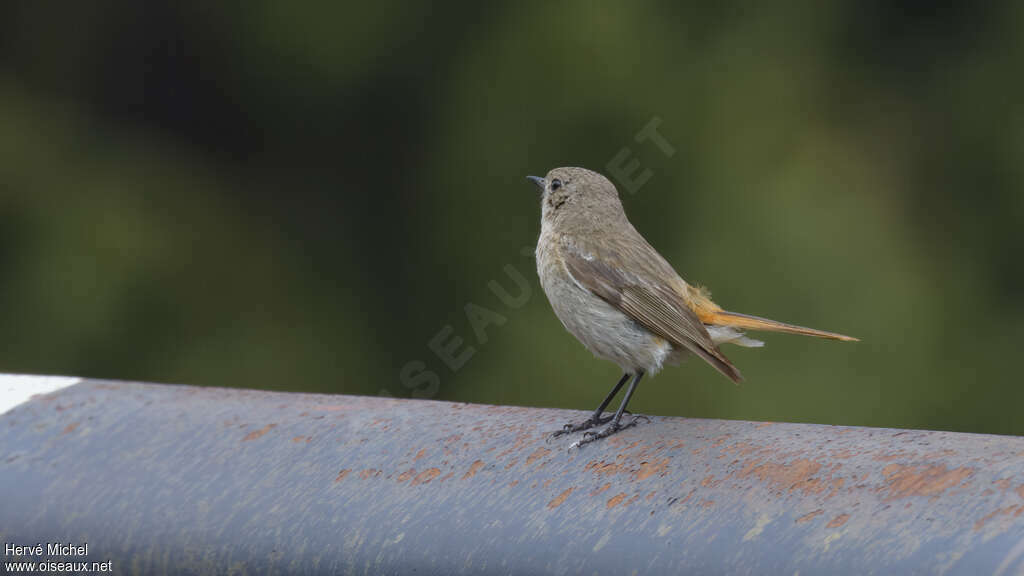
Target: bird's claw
(592, 435)
(577, 427)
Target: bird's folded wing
(657, 308)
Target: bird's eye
(556, 184)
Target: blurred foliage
(301, 197)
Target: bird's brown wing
(657, 308)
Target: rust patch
(809, 516)
(342, 474)
(426, 476)
(842, 454)
(905, 481)
(521, 439)
(838, 521)
(473, 468)
(603, 468)
(650, 496)
(741, 449)
(256, 434)
(648, 469)
(837, 485)
(601, 489)
(881, 457)
(446, 476)
(560, 498)
(513, 483)
(420, 454)
(511, 463)
(1020, 490)
(797, 475)
(299, 439)
(707, 503)
(1015, 510)
(615, 500)
(537, 455)
(369, 473)
(708, 481)
(406, 475)
(70, 428)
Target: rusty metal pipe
(185, 480)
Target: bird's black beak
(540, 182)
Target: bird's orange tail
(747, 322)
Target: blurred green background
(300, 197)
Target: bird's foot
(587, 424)
(593, 436)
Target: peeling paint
(838, 521)
(906, 481)
(809, 516)
(473, 468)
(648, 469)
(615, 500)
(798, 475)
(426, 476)
(560, 498)
(603, 468)
(537, 454)
(1011, 511)
(256, 434)
(762, 521)
(605, 538)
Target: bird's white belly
(604, 330)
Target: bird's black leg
(595, 419)
(616, 423)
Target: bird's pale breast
(603, 329)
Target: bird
(622, 300)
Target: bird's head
(574, 192)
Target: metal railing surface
(185, 480)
